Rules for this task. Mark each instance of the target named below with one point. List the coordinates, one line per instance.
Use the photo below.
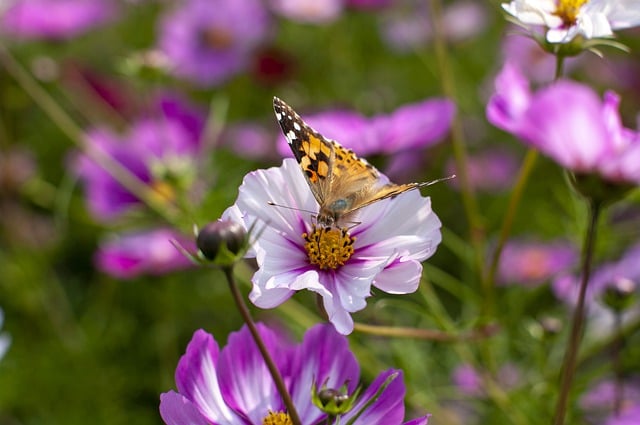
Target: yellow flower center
(162, 191)
(279, 418)
(568, 10)
(328, 247)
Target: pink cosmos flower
(209, 41)
(232, 386)
(569, 123)
(384, 247)
(492, 170)
(156, 149)
(531, 263)
(148, 252)
(627, 267)
(55, 19)
(309, 11)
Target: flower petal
(388, 408)
(176, 409)
(197, 379)
(322, 359)
(245, 381)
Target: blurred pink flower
(491, 170)
(309, 11)
(468, 380)
(569, 123)
(55, 19)
(156, 149)
(209, 41)
(147, 252)
(627, 267)
(532, 263)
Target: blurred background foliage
(90, 348)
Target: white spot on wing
(296, 126)
(291, 135)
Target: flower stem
(273, 369)
(64, 122)
(512, 208)
(469, 202)
(577, 321)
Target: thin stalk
(120, 173)
(514, 201)
(469, 201)
(618, 392)
(577, 321)
(426, 334)
(273, 370)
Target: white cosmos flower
(565, 19)
(384, 247)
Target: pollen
(162, 191)
(277, 418)
(568, 11)
(328, 247)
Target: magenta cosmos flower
(531, 263)
(145, 252)
(232, 385)
(383, 248)
(55, 19)
(569, 123)
(159, 150)
(209, 41)
(492, 170)
(411, 126)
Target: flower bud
(599, 190)
(332, 401)
(620, 294)
(218, 233)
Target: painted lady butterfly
(340, 181)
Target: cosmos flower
(491, 170)
(55, 19)
(144, 252)
(600, 400)
(309, 11)
(384, 247)
(159, 150)
(409, 127)
(569, 123)
(469, 382)
(531, 263)
(566, 19)
(627, 268)
(231, 385)
(209, 41)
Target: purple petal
(388, 408)
(511, 99)
(146, 252)
(415, 125)
(565, 121)
(176, 409)
(197, 380)
(55, 19)
(245, 381)
(322, 358)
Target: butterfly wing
(313, 152)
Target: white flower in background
(565, 19)
(4, 338)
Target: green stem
(273, 369)
(120, 173)
(577, 321)
(512, 208)
(559, 67)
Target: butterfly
(340, 181)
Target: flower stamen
(568, 11)
(328, 247)
(277, 418)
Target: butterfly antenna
(273, 204)
(429, 183)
